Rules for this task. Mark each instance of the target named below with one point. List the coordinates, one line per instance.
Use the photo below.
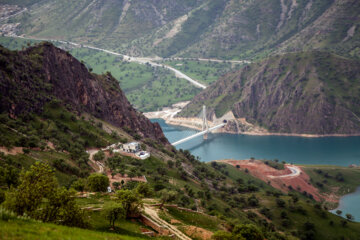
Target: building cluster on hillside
(132, 148)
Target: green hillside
(158, 85)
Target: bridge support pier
(204, 132)
(205, 126)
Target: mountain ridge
(218, 28)
(307, 93)
(40, 74)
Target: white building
(132, 147)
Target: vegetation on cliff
(204, 28)
(309, 92)
(52, 109)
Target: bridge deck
(198, 134)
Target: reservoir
(342, 151)
(350, 204)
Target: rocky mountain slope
(304, 93)
(257, 28)
(100, 22)
(203, 28)
(34, 77)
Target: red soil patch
(13, 151)
(197, 232)
(266, 173)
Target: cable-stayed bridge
(205, 129)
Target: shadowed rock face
(31, 78)
(303, 93)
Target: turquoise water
(350, 204)
(297, 150)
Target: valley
(182, 119)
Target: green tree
(349, 217)
(79, 185)
(76, 151)
(222, 235)
(36, 184)
(113, 212)
(9, 176)
(63, 208)
(99, 156)
(144, 189)
(281, 203)
(39, 196)
(130, 200)
(2, 196)
(170, 164)
(166, 196)
(247, 231)
(98, 182)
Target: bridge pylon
(205, 126)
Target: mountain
(257, 28)
(304, 93)
(52, 109)
(101, 22)
(204, 28)
(32, 78)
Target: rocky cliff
(302, 93)
(31, 78)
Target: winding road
(141, 60)
(295, 171)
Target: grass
(320, 218)
(146, 87)
(330, 179)
(29, 230)
(15, 43)
(205, 72)
(195, 219)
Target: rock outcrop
(29, 79)
(299, 93)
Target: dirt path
(100, 166)
(155, 217)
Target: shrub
(98, 182)
(281, 203)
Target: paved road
(206, 60)
(295, 171)
(140, 60)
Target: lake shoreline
(260, 170)
(237, 126)
(194, 123)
